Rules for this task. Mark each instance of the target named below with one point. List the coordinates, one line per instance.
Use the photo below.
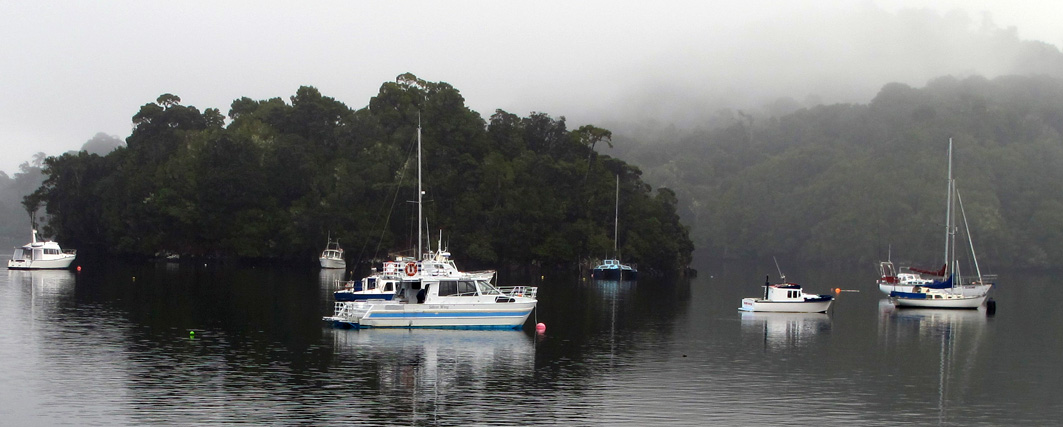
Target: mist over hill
(844, 183)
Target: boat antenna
(782, 277)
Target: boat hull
(965, 290)
(40, 264)
(614, 274)
(381, 314)
(899, 300)
(332, 263)
(759, 305)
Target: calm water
(112, 344)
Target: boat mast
(948, 213)
(616, 218)
(419, 192)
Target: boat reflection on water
(785, 330)
(329, 278)
(44, 285)
(409, 357)
(955, 337)
(927, 320)
(613, 289)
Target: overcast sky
(71, 69)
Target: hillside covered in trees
(275, 178)
(845, 183)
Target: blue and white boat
(432, 293)
(953, 291)
(613, 269)
(441, 303)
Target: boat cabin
(448, 291)
(783, 292)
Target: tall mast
(419, 192)
(616, 218)
(948, 208)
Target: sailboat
(613, 269)
(951, 291)
(424, 299)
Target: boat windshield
(487, 289)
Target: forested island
(841, 184)
(274, 178)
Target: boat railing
(520, 291)
(344, 309)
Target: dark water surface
(112, 345)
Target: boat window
(448, 287)
(486, 288)
(371, 283)
(389, 287)
(466, 287)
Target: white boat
(332, 256)
(432, 293)
(41, 255)
(935, 298)
(787, 298)
(952, 291)
(441, 303)
(613, 269)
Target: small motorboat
(332, 256)
(787, 298)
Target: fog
(71, 70)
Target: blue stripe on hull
(347, 296)
(350, 325)
(455, 315)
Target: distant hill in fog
(843, 183)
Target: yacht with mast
(613, 269)
(438, 298)
(951, 291)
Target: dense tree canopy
(845, 183)
(281, 175)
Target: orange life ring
(411, 268)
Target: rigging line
(394, 199)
